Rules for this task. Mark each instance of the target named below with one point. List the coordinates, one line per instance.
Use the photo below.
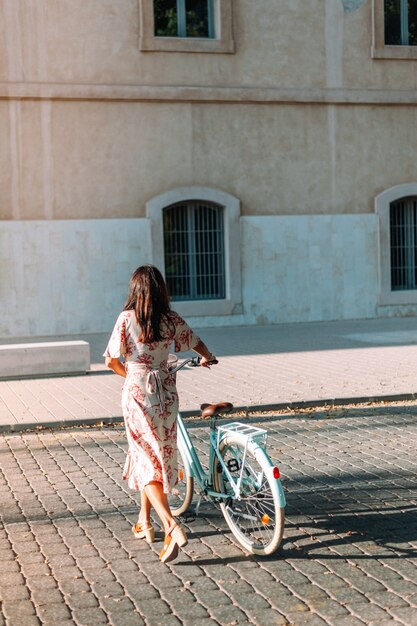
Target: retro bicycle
(240, 477)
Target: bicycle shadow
(382, 533)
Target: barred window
(403, 235)
(184, 18)
(194, 251)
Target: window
(400, 20)
(186, 26)
(395, 29)
(195, 240)
(397, 211)
(194, 251)
(403, 236)
(183, 18)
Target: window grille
(400, 17)
(194, 251)
(403, 231)
(184, 18)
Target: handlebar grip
(195, 361)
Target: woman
(142, 335)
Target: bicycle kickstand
(197, 506)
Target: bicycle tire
(181, 495)
(257, 519)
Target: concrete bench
(43, 359)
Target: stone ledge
(206, 94)
(44, 358)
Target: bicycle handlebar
(192, 362)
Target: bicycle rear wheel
(181, 496)
(257, 518)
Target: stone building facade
(293, 122)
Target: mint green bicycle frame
(205, 479)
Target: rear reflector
(276, 473)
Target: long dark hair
(148, 297)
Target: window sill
(407, 53)
(407, 296)
(202, 308)
(186, 44)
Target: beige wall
(101, 160)
(300, 120)
(300, 44)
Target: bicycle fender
(281, 496)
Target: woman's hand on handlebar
(207, 362)
(206, 357)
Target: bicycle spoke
(256, 503)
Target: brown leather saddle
(210, 410)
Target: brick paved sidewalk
(349, 555)
(274, 365)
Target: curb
(281, 406)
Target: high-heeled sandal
(144, 533)
(174, 540)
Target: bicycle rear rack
(247, 434)
(250, 433)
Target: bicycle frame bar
(194, 466)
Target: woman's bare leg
(145, 510)
(158, 499)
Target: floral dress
(150, 398)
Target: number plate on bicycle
(250, 433)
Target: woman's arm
(206, 356)
(115, 365)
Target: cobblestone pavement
(348, 558)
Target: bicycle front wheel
(181, 496)
(256, 519)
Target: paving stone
(113, 604)
(81, 600)
(349, 596)
(10, 567)
(154, 607)
(162, 620)
(11, 580)
(407, 615)
(268, 617)
(129, 619)
(228, 614)
(17, 611)
(349, 620)
(369, 611)
(53, 613)
(89, 617)
(306, 619)
(30, 620)
(46, 596)
(59, 561)
(20, 592)
(71, 572)
(7, 555)
(250, 601)
(287, 604)
(387, 599)
(212, 598)
(103, 575)
(111, 589)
